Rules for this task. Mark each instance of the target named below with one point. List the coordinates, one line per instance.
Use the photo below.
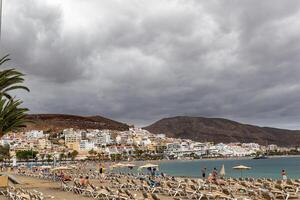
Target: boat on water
(260, 157)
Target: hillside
(223, 130)
(57, 122)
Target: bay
(263, 168)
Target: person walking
(215, 174)
(101, 172)
(284, 175)
(203, 171)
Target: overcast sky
(139, 60)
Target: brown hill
(223, 130)
(58, 122)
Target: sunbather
(86, 181)
(81, 180)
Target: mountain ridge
(58, 122)
(217, 130)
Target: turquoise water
(267, 168)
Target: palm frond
(10, 79)
(12, 117)
(4, 59)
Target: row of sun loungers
(132, 187)
(22, 194)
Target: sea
(260, 168)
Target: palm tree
(10, 79)
(49, 156)
(42, 157)
(11, 116)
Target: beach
(50, 189)
(127, 187)
(64, 182)
(53, 190)
(173, 180)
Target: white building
(272, 147)
(173, 147)
(160, 136)
(5, 141)
(72, 136)
(138, 131)
(145, 141)
(34, 134)
(118, 139)
(103, 138)
(86, 145)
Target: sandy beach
(53, 190)
(142, 186)
(48, 188)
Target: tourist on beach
(214, 174)
(284, 175)
(153, 183)
(153, 172)
(86, 181)
(101, 171)
(62, 175)
(203, 172)
(81, 180)
(210, 178)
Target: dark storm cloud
(139, 61)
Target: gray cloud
(139, 61)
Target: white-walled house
(34, 134)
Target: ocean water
(263, 168)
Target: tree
(42, 156)
(61, 156)
(49, 156)
(10, 80)
(4, 151)
(12, 117)
(69, 155)
(101, 156)
(74, 154)
(26, 154)
(92, 152)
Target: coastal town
(134, 144)
(149, 100)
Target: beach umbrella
(222, 171)
(242, 168)
(118, 165)
(72, 166)
(45, 167)
(129, 165)
(149, 165)
(61, 168)
(22, 166)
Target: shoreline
(141, 162)
(205, 159)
